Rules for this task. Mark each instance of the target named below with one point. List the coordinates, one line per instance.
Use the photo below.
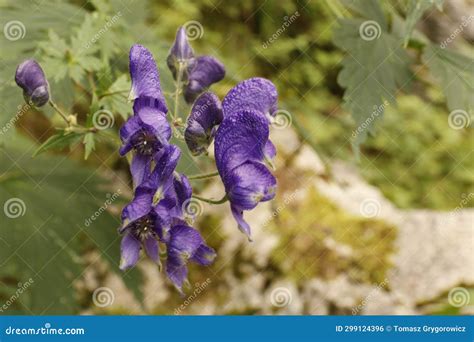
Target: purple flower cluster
(156, 213)
(197, 72)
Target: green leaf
(416, 8)
(115, 97)
(89, 144)
(58, 141)
(455, 74)
(52, 229)
(374, 69)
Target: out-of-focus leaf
(415, 10)
(375, 67)
(455, 74)
(58, 141)
(47, 223)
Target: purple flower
(180, 53)
(206, 71)
(30, 77)
(146, 132)
(145, 76)
(197, 73)
(206, 114)
(242, 145)
(256, 93)
(186, 244)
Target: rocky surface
(329, 244)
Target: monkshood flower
(206, 71)
(206, 114)
(30, 77)
(181, 55)
(242, 146)
(195, 73)
(186, 244)
(146, 133)
(144, 223)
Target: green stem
(207, 200)
(204, 175)
(56, 108)
(118, 92)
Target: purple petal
(257, 94)
(242, 224)
(139, 206)
(185, 240)
(206, 71)
(130, 251)
(145, 75)
(140, 168)
(150, 112)
(30, 77)
(270, 150)
(205, 115)
(176, 270)
(165, 165)
(204, 255)
(249, 184)
(151, 248)
(240, 138)
(129, 128)
(163, 218)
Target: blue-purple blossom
(202, 122)
(186, 244)
(30, 77)
(156, 213)
(242, 146)
(181, 54)
(206, 71)
(197, 73)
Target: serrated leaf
(375, 67)
(115, 97)
(58, 142)
(455, 74)
(416, 8)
